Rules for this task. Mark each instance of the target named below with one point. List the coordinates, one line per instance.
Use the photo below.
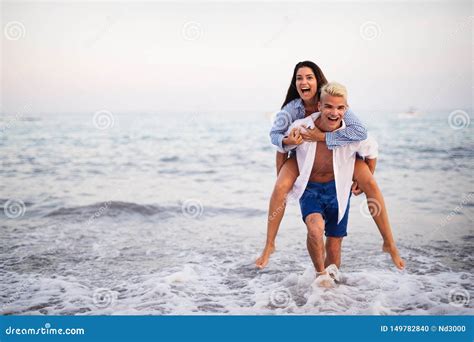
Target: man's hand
(313, 134)
(356, 191)
(294, 138)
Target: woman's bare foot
(393, 251)
(262, 261)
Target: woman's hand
(294, 138)
(356, 191)
(313, 134)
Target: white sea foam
(197, 289)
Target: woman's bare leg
(377, 209)
(286, 178)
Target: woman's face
(306, 83)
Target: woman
(301, 100)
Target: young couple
(323, 155)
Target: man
(324, 184)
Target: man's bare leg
(286, 178)
(333, 251)
(315, 240)
(315, 244)
(378, 210)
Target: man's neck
(317, 123)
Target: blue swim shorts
(321, 198)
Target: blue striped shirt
(294, 110)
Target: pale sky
(159, 56)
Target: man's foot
(334, 273)
(262, 261)
(393, 251)
(323, 279)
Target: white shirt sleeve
(368, 148)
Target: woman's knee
(284, 184)
(363, 176)
(368, 183)
(282, 188)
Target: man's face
(332, 110)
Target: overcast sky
(155, 56)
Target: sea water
(165, 213)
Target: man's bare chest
(323, 161)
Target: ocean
(165, 214)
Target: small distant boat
(412, 112)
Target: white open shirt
(343, 158)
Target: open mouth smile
(305, 90)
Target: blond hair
(334, 89)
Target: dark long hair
(320, 80)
